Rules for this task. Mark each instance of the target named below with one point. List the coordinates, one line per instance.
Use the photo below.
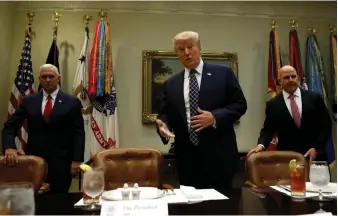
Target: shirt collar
(296, 93)
(199, 69)
(54, 93)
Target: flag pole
(332, 29)
(87, 19)
(311, 31)
(294, 24)
(103, 15)
(273, 24)
(55, 18)
(30, 17)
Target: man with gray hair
(199, 108)
(55, 130)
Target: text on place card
(135, 208)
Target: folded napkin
(190, 192)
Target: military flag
(101, 89)
(315, 79)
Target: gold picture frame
(157, 66)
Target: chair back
(29, 169)
(130, 165)
(272, 167)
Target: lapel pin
(209, 74)
(60, 101)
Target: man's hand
(203, 120)
(313, 154)
(11, 157)
(257, 149)
(164, 131)
(75, 169)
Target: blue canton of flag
(24, 75)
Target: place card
(135, 208)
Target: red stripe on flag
(13, 100)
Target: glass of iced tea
(297, 179)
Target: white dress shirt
(198, 75)
(44, 99)
(298, 100)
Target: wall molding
(268, 10)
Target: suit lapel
(206, 81)
(305, 105)
(38, 103)
(285, 109)
(180, 96)
(57, 105)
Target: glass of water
(93, 185)
(20, 196)
(319, 176)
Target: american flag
(23, 85)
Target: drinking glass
(319, 177)
(20, 198)
(93, 185)
(297, 181)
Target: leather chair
(131, 165)
(29, 169)
(271, 168)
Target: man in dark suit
(298, 117)
(55, 130)
(199, 108)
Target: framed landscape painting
(160, 65)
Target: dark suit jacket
(315, 127)
(60, 141)
(221, 94)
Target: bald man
(298, 117)
(55, 130)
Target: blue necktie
(193, 99)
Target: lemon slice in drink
(85, 167)
(292, 164)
